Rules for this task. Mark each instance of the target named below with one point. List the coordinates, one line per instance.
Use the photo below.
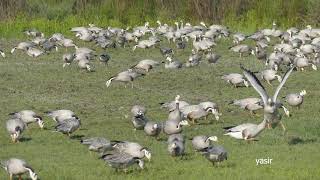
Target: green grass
(42, 84)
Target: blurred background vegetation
(244, 15)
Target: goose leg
(268, 125)
(282, 125)
(269, 82)
(20, 178)
(10, 177)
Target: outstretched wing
(284, 79)
(256, 84)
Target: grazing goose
(104, 58)
(66, 43)
(2, 53)
(18, 167)
(61, 115)
(247, 131)
(260, 53)
(68, 126)
(132, 148)
(176, 137)
(68, 59)
(242, 48)
(238, 37)
(166, 51)
(201, 142)
(174, 127)
(170, 64)
(28, 116)
(126, 77)
(48, 46)
(34, 52)
(15, 127)
(295, 99)
(212, 58)
(84, 64)
(176, 147)
(209, 104)
(23, 46)
(145, 65)
(122, 160)
(301, 62)
(271, 113)
(215, 154)
(235, 79)
(270, 75)
(97, 144)
(195, 112)
(138, 109)
(250, 104)
(152, 129)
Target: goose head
(213, 138)
(16, 134)
(169, 59)
(183, 123)
(158, 22)
(303, 92)
(32, 174)
(309, 27)
(39, 121)
(147, 153)
(177, 99)
(203, 24)
(270, 106)
(139, 162)
(155, 126)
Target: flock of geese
(293, 49)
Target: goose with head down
(18, 167)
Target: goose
(174, 127)
(48, 46)
(176, 137)
(84, 50)
(215, 154)
(295, 99)
(2, 53)
(252, 104)
(246, 131)
(176, 147)
(136, 109)
(166, 51)
(181, 44)
(66, 43)
(68, 126)
(126, 77)
(39, 40)
(242, 48)
(56, 37)
(122, 160)
(34, 33)
(146, 65)
(209, 104)
(176, 114)
(152, 129)
(302, 62)
(271, 106)
(68, 59)
(18, 167)
(285, 48)
(84, 64)
(238, 38)
(28, 116)
(235, 79)
(34, 52)
(104, 58)
(212, 58)
(200, 142)
(23, 46)
(85, 36)
(270, 75)
(139, 120)
(170, 106)
(97, 144)
(15, 128)
(61, 114)
(195, 112)
(170, 64)
(308, 49)
(132, 148)
(260, 53)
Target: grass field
(42, 84)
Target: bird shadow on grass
(77, 137)
(25, 139)
(298, 140)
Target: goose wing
(284, 79)
(256, 84)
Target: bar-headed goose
(139, 120)
(270, 75)
(242, 48)
(61, 115)
(18, 167)
(2, 53)
(176, 147)
(122, 160)
(250, 104)
(174, 127)
(34, 52)
(271, 105)
(215, 154)
(23, 46)
(295, 99)
(132, 148)
(201, 142)
(126, 77)
(152, 129)
(235, 79)
(176, 114)
(28, 116)
(172, 64)
(97, 144)
(68, 59)
(15, 127)
(68, 126)
(104, 58)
